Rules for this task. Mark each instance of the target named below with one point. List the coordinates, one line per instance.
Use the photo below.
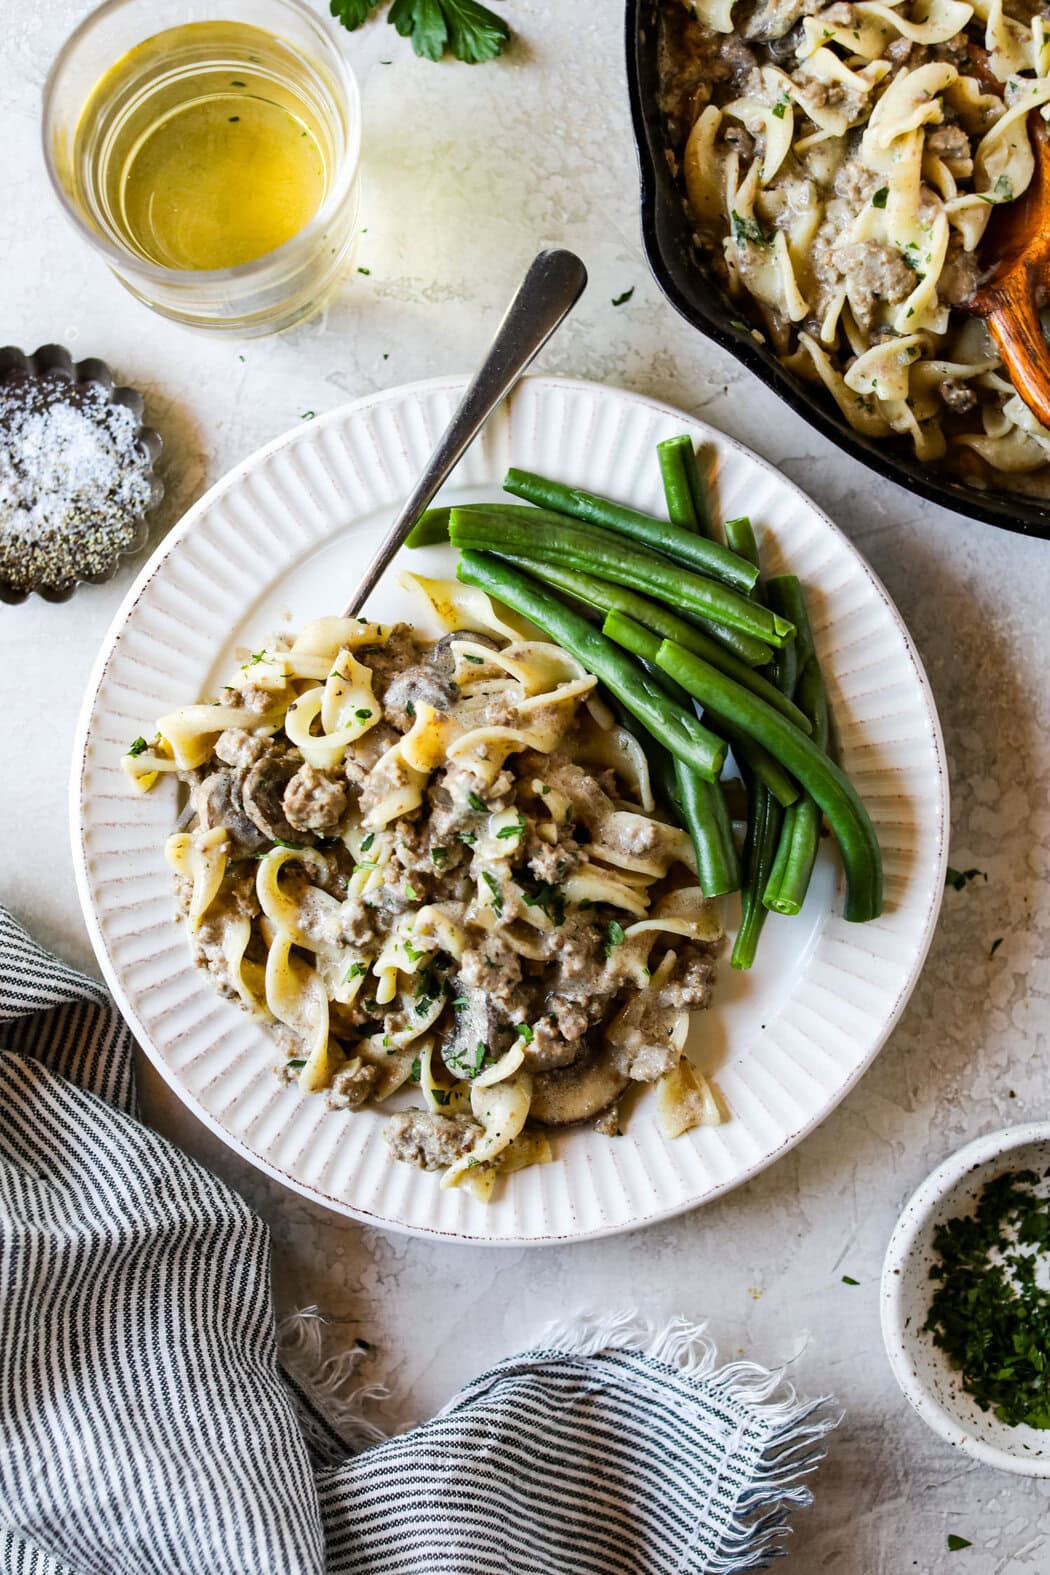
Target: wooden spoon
(1017, 244)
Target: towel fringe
(328, 1382)
(792, 1449)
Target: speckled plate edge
(900, 1334)
(880, 969)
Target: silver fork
(554, 283)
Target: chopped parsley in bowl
(966, 1300)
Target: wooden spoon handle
(1015, 326)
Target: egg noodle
(441, 865)
(841, 163)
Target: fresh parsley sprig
(470, 30)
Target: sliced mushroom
(262, 796)
(575, 1093)
(217, 800)
(440, 655)
(478, 1022)
(420, 685)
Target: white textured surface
(466, 172)
(787, 1040)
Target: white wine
(204, 147)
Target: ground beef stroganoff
(841, 163)
(438, 866)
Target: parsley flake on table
(960, 878)
(955, 1542)
(621, 300)
(470, 30)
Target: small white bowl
(923, 1371)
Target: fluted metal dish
(52, 358)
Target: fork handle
(1014, 324)
(551, 288)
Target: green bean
(789, 879)
(763, 830)
(643, 697)
(683, 546)
(433, 527)
(740, 538)
(818, 774)
(430, 527)
(760, 763)
(633, 637)
(653, 615)
(683, 486)
(549, 538)
(784, 592)
(608, 597)
(701, 805)
(707, 820)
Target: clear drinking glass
(301, 62)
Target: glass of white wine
(213, 163)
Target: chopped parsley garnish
(996, 945)
(468, 656)
(547, 897)
(438, 856)
(614, 936)
(364, 270)
(514, 830)
(523, 1031)
(441, 1095)
(416, 1072)
(423, 1004)
(988, 1312)
(367, 842)
(365, 864)
(362, 716)
(957, 1543)
(137, 746)
(477, 804)
(296, 1064)
(780, 107)
(467, 1063)
(879, 199)
(468, 28)
(1002, 191)
(493, 885)
(469, 837)
(621, 300)
(748, 230)
(847, 1279)
(297, 847)
(410, 709)
(355, 971)
(411, 893)
(961, 878)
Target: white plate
(282, 539)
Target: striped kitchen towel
(147, 1426)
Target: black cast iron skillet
(684, 277)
